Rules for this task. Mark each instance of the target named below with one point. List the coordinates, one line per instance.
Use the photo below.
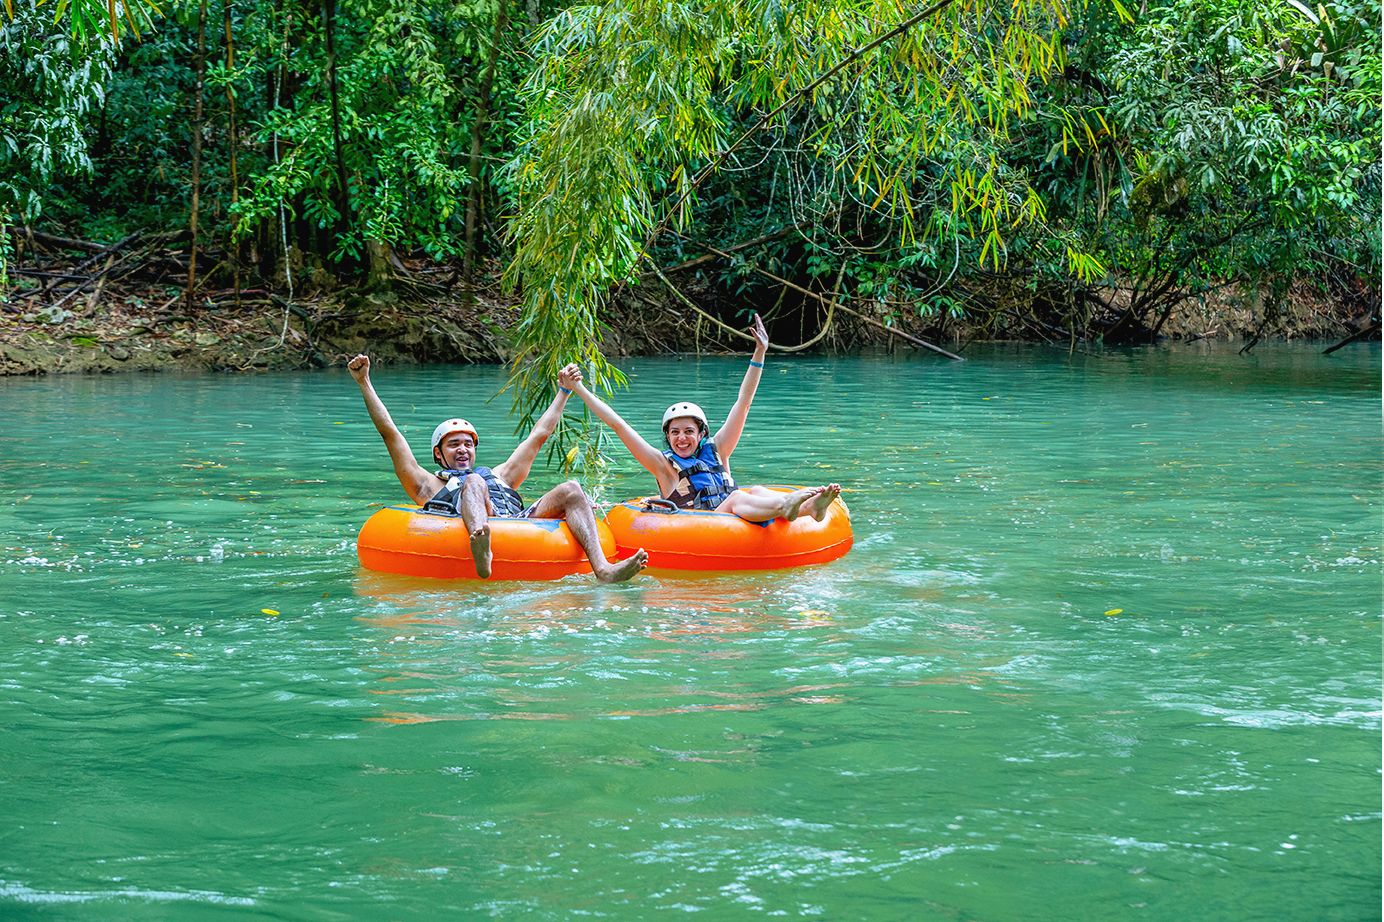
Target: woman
(694, 472)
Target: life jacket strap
(505, 501)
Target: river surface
(1107, 646)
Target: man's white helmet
(447, 427)
(684, 409)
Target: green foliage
(49, 85)
(1243, 143)
(401, 134)
(1196, 145)
(407, 78)
(635, 103)
(1111, 153)
(52, 83)
(92, 20)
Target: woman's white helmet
(447, 427)
(678, 410)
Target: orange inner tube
(405, 540)
(690, 539)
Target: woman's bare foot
(480, 550)
(622, 570)
(794, 501)
(822, 501)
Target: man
(479, 492)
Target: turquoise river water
(1107, 646)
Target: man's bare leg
(569, 501)
(475, 512)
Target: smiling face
(456, 452)
(684, 435)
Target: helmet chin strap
(442, 463)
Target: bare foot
(480, 550)
(825, 497)
(623, 570)
(794, 501)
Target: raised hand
(359, 367)
(761, 335)
(570, 376)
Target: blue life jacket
(703, 481)
(505, 501)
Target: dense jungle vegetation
(1053, 169)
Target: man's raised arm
(417, 482)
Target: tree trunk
(473, 201)
(197, 128)
(233, 140)
(378, 274)
(344, 201)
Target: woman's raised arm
(728, 436)
(647, 455)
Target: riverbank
(262, 332)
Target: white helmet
(684, 409)
(447, 427)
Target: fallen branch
(831, 312)
(113, 248)
(78, 269)
(854, 313)
(1358, 334)
(100, 285)
(902, 335)
(765, 238)
(43, 273)
(66, 243)
(1258, 334)
(716, 320)
(100, 276)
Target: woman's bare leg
(758, 504)
(823, 500)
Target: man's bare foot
(794, 501)
(822, 501)
(480, 550)
(624, 569)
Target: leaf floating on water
(269, 611)
(1113, 612)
